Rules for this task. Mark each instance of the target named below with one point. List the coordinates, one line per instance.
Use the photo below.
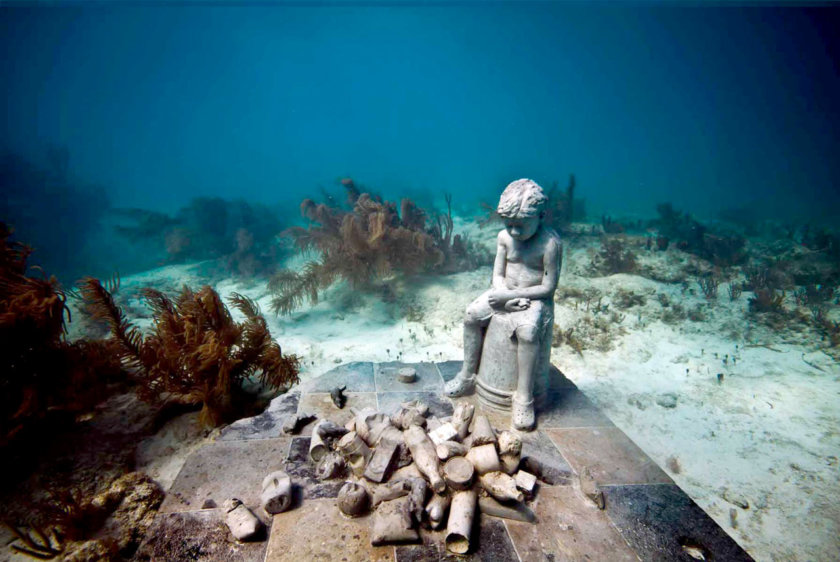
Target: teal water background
(709, 107)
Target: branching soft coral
(197, 353)
(370, 242)
(39, 371)
(614, 257)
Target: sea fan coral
(370, 242)
(197, 353)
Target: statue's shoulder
(504, 237)
(552, 238)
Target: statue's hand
(515, 305)
(499, 298)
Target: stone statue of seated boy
(525, 272)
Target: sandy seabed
(764, 441)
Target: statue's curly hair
(522, 198)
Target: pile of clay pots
(416, 470)
(413, 470)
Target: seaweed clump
(371, 241)
(689, 235)
(562, 206)
(196, 354)
(614, 257)
(767, 299)
(41, 374)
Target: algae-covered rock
(90, 551)
(133, 501)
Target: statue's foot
(522, 414)
(461, 385)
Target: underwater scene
(406, 280)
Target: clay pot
(352, 499)
(459, 526)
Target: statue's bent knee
(474, 315)
(527, 334)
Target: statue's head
(522, 207)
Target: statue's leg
(527, 349)
(473, 338)
(475, 320)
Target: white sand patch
(767, 433)
(346, 326)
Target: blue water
(708, 107)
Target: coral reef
(612, 226)
(721, 249)
(196, 353)
(370, 242)
(240, 235)
(41, 373)
(562, 206)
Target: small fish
(338, 397)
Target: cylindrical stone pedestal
(498, 371)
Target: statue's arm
(500, 263)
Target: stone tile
(439, 405)
(266, 425)
(225, 469)
(320, 404)
(317, 531)
(537, 444)
(357, 376)
(490, 542)
(610, 455)
(285, 403)
(568, 527)
(302, 470)
(418, 553)
(658, 520)
(448, 369)
(569, 408)
(428, 377)
(196, 535)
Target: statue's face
(522, 228)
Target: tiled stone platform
(647, 517)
